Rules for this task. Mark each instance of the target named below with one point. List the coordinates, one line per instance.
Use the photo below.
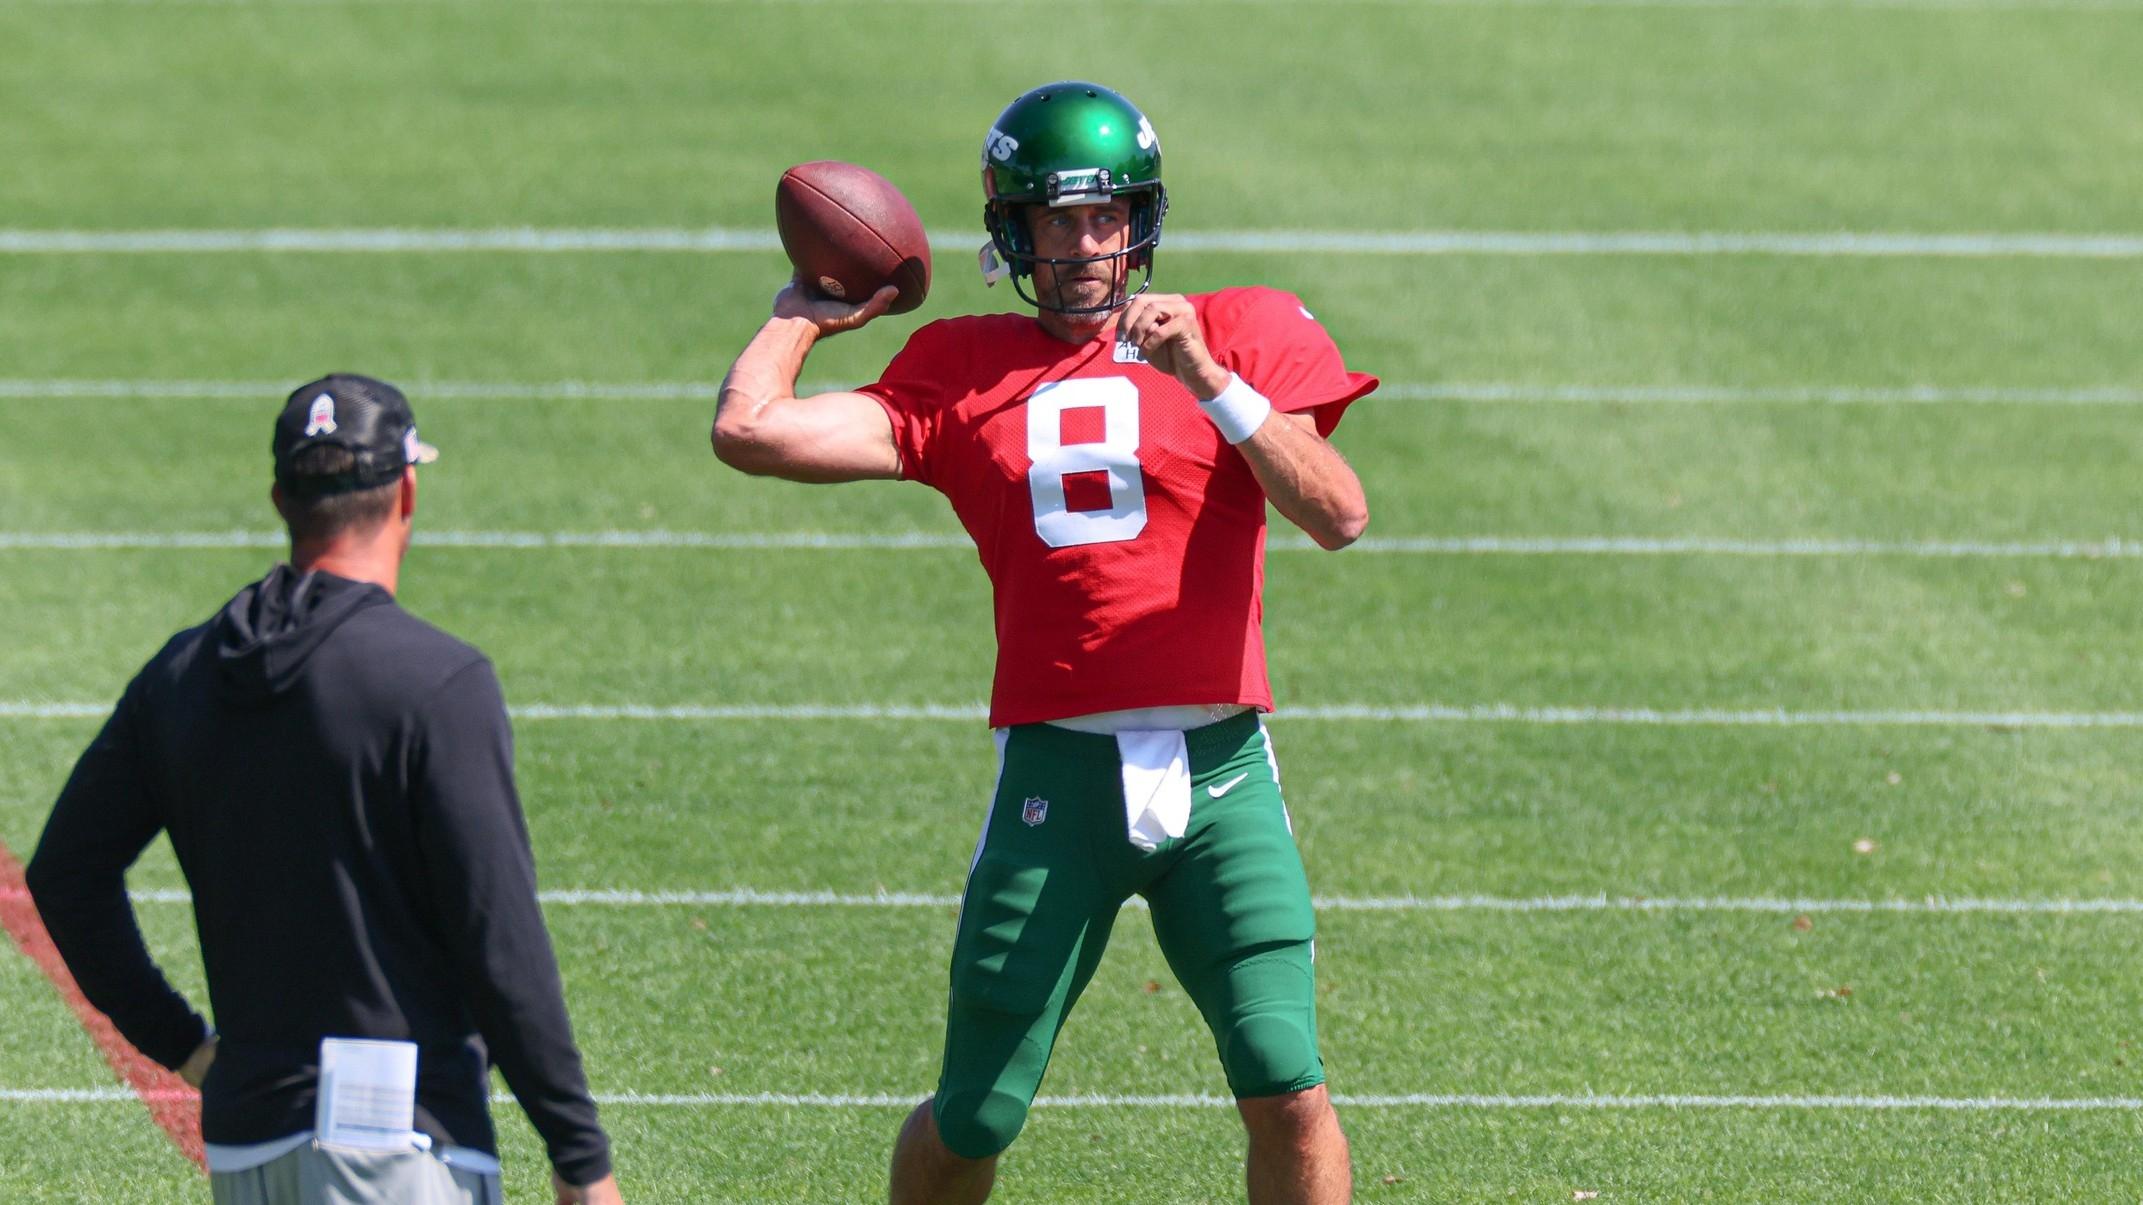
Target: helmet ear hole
(1008, 224)
(1147, 210)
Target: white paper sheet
(368, 1095)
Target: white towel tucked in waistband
(1157, 785)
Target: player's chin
(1097, 295)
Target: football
(849, 232)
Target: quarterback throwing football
(1111, 454)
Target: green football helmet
(1069, 143)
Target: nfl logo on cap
(320, 420)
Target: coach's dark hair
(313, 516)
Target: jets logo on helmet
(1070, 143)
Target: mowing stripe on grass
(175, 1107)
(720, 239)
(748, 897)
(1406, 1100)
(1931, 6)
(76, 388)
(2110, 548)
(1405, 713)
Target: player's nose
(1092, 241)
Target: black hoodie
(337, 779)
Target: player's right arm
(761, 427)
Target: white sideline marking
(1478, 713)
(2111, 548)
(1932, 6)
(746, 897)
(1408, 1100)
(720, 239)
(1516, 392)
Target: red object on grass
(173, 1103)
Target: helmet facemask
(1012, 242)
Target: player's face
(1080, 232)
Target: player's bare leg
(925, 1172)
(1298, 1155)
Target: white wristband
(1237, 410)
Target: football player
(1111, 453)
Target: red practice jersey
(1124, 539)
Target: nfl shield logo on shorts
(1034, 811)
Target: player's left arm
(1306, 478)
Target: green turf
(1747, 471)
(1351, 117)
(1549, 118)
(92, 1151)
(908, 627)
(1580, 319)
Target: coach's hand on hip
(195, 1069)
(1164, 327)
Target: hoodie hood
(268, 632)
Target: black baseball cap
(367, 418)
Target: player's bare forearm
(1307, 479)
(761, 427)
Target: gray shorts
(338, 1175)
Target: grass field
(1869, 683)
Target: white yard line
(748, 897)
(1513, 392)
(1929, 6)
(2110, 548)
(1408, 1100)
(89, 388)
(1418, 713)
(1830, 395)
(721, 239)
(1419, 1100)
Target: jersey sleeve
(912, 391)
(1271, 340)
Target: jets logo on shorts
(1034, 811)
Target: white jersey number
(1116, 455)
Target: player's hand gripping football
(1164, 327)
(830, 315)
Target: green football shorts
(1230, 905)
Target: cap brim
(416, 451)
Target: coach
(337, 779)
